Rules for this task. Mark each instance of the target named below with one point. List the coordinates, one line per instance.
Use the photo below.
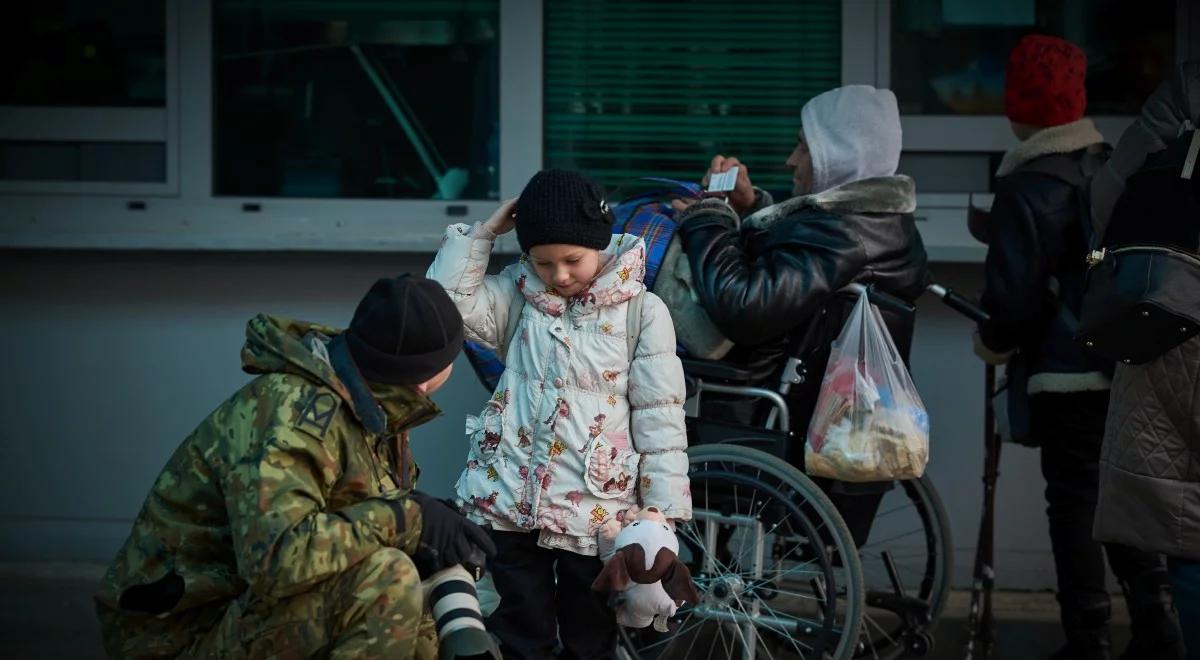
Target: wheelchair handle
(876, 296)
(959, 303)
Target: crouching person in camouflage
(287, 524)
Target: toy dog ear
(678, 583)
(615, 574)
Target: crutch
(981, 621)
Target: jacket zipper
(1096, 256)
(401, 462)
(390, 448)
(371, 448)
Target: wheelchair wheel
(907, 565)
(776, 567)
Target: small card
(1189, 163)
(724, 181)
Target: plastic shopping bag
(869, 423)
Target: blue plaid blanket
(648, 215)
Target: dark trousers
(857, 508)
(1070, 427)
(537, 611)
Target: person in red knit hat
(1044, 82)
(1058, 394)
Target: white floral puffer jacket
(578, 431)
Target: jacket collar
(884, 194)
(1053, 140)
(399, 408)
(619, 280)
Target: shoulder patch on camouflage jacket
(317, 410)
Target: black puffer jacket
(774, 282)
(1035, 268)
(1150, 461)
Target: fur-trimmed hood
(883, 194)
(1053, 140)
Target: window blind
(638, 89)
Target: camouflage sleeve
(408, 514)
(285, 539)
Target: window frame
(184, 213)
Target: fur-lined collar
(620, 279)
(883, 194)
(1053, 140)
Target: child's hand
(501, 221)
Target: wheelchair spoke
(757, 637)
(915, 554)
(789, 553)
(668, 642)
(791, 594)
(737, 513)
(772, 561)
(721, 568)
(721, 635)
(712, 647)
(798, 619)
(895, 538)
(870, 621)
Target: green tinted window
(656, 88)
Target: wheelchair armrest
(713, 370)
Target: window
(368, 99)
(657, 88)
(84, 101)
(85, 53)
(948, 56)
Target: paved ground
(46, 612)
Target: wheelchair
(778, 569)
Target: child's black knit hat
(560, 206)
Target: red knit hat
(1043, 85)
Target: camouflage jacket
(295, 478)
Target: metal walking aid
(981, 621)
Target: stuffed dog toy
(645, 570)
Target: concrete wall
(113, 357)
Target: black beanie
(405, 331)
(564, 207)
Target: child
(581, 428)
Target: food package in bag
(869, 423)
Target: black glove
(447, 537)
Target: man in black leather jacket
(768, 275)
(1035, 274)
